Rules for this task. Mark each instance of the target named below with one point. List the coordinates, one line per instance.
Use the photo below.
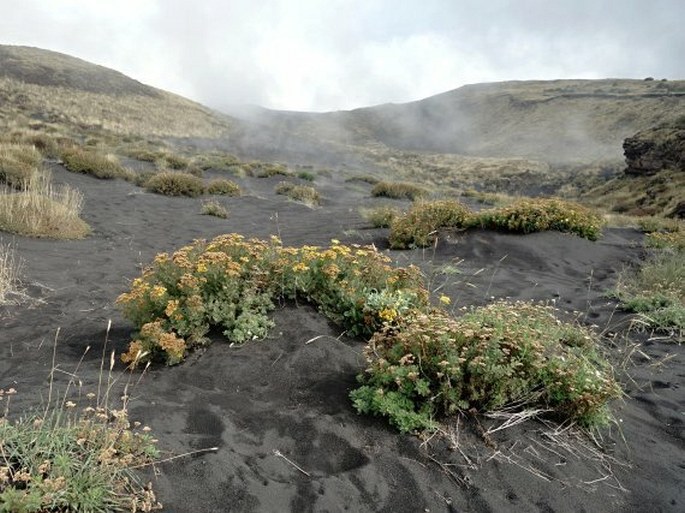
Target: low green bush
(303, 193)
(223, 187)
(398, 190)
(656, 291)
(381, 217)
(141, 177)
(541, 214)
(216, 161)
(431, 365)
(653, 224)
(175, 184)
(145, 154)
(214, 208)
(308, 176)
(92, 163)
(372, 180)
(173, 161)
(663, 233)
(418, 227)
(264, 169)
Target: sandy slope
(287, 395)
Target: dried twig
(278, 453)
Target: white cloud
(314, 55)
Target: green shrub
(418, 227)
(175, 184)
(162, 158)
(306, 175)
(223, 187)
(218, 161)
(264, 170)
(381, 217)
(535, 215)
(92, 163)
(141, 178)
(432, 365)
(173, 161)
(145, 155)
(665, 240)
(652, 224)
(303, 193)
(398, 190)
(664, 233)
(231, 283)
(657, 291)
(372, 180)
(214, 208)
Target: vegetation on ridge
(419, 226)
(423, 363)
(656, 289)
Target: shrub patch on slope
(423, 363)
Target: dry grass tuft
(223, 187)
(214, 208)
(43, 210)
(17, 163)
(380, 217)
(302, 193)
(10, 270)
(398, 190)
(93, 163)
(170, 183)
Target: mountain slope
(556, 121)
(59, 92)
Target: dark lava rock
(652, 150)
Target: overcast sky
(342, 54)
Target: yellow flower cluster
(300, 267)
(388, 314)
(157, 292)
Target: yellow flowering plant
(423, 363)
(428, 364)
(231, 283)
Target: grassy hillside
(58, 93)
(554, 121)
(531, 137)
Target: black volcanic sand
(287, 436)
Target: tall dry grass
(10, 270)
(17, 162)
(41, 209)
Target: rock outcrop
(654, 150)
